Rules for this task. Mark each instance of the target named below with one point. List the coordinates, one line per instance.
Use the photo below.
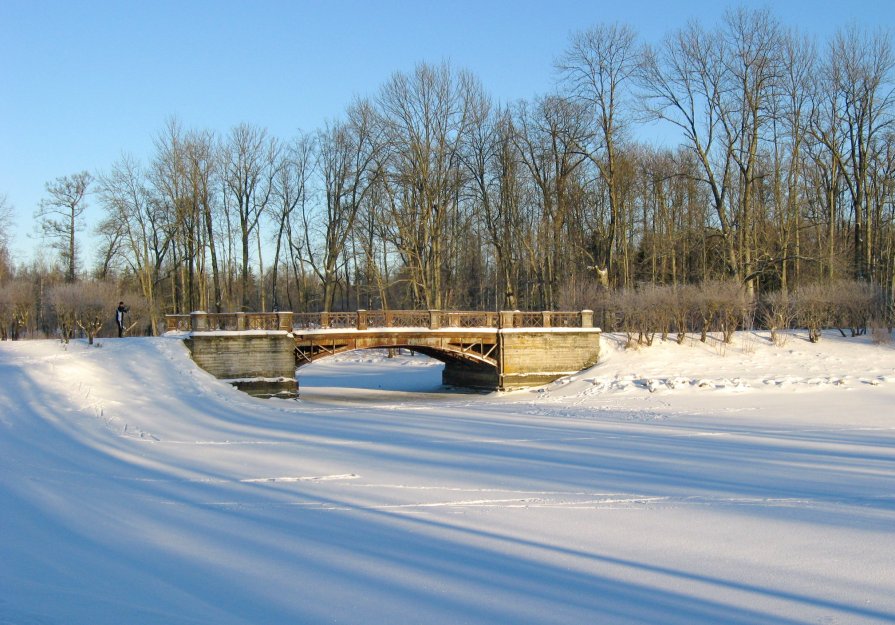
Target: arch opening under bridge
(471, 359)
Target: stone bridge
(494, 350)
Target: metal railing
(366, 319)
(469, 319)
(442, 319)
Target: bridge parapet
(200, 321)
(438, 319)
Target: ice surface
(694, 483)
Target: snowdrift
(694, 483)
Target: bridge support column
(531, 357)
(262, 364)
(469, 375)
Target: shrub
(627, 311)
(684, 307)
(812, 308)
(852, 305)
(776, 312)
(89, 306)
(879, 333)
(844, 304)
(16, 303)
(721, 305)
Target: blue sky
(81, 82)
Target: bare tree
(6, 210)
(432, 196)
(863, 64)
(290, 192)
(92, 308)
(790, 117)
(147, 236)
(597, 69)
(493, 166)
(425, 115)
(548, 137)
(201, 165)
(347, 154)
(825, 148)
(751, 59)
(5, 312)
(59, 217)
(372, 234)
(683, 83)
(250, 160)
(777, 312)
(111, 233)
(5, 218)
(171, 192)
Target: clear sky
(82, 81)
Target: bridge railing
(467, 319)
(437, 319)
(200, 321)
(180, 323)
(323, 321)
(365, 319)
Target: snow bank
(673, 484)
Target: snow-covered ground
(675, 484)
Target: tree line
(775, 170)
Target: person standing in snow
(119, 317)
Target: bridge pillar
(587, 318)
(198, 321)
(260, 363)
(506, 318)
(362, 323)
(284, 321)
(434, 319)
(469, 375)
(534, 356)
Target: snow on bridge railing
(364, 319)
(442, 319)
(200, 321)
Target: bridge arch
(470, 359)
